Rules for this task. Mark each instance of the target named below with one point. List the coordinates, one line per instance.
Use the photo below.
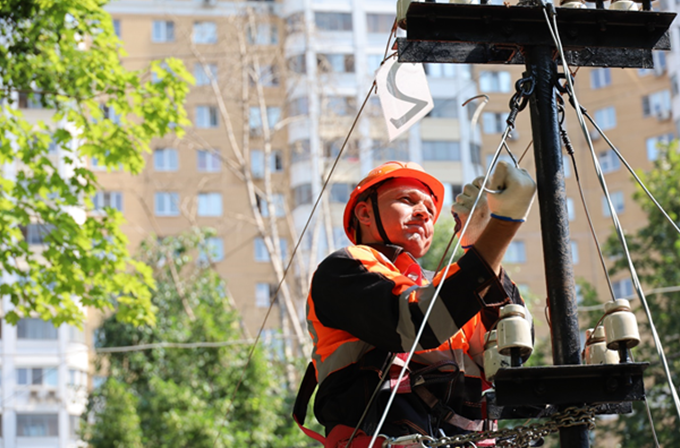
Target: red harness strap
(340, 434)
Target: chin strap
(376, 213)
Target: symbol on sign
(392, 88)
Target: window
(516, 253)
(441, 150)
(396, 150)
(298, 106)
(75, 334)
(30, 100)
(265, 34)
(574, 252)
(35, 234)
(493, 122)
(113, 199)
(623, 288)
(37, 425)
(205, 33)
(30, 328)
(609, 161)
(340, 192)
(333, 21)
(340, 237)
(163, 31)
(606, 118)
(255, 119)
(257, 162)
(331, 149)
(208, 161)
(570, 209)
(166, 204)
(202, 75)
(210, 204)
(206, 117)
(657, 104)
(335, 63)
(263, 293)
(444, 108)
(379, 23)
(302, 194)
(279, 205)
(77, 378)
(212, 252)
(450, 192)
(653, 144)
(617, 201)
(600, 77)
(494, 82)
(341, 105)
(116, 27)
(74, 427)
(165, 159)
(267, 76)
(261, 253)
(300, 150)
(295, 22)
(38, 376)
(297, 64)
(566, 165)
(440, 70)
(109, 113)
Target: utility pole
(488, 34)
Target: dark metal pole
(554, 222)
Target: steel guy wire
(439, 287)
(295, 249)
(619, 230)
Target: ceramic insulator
(620, 325)
(514, 331)
(624, 5)
(596, 348)
(492, 359)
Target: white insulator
(402, 9)
(624, 5)
(461, 2)
(514, 331)
(492, 359)
(576, 4)
(620, 325)
(596, 348)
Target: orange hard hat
(386, 171)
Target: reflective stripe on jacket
(365, 303)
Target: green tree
(443, 230)
(115, 406)
(63, 55)
(655, 249)
(184, 393)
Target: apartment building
(233, 50)
(633, 107)
(43, 370)
(336, 48)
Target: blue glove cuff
(505, 218)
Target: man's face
(407, 212)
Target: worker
(367, 303)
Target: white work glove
(461, 212)
(515, 193)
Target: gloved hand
(516, 191)
(461, 212)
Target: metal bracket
(570, 384)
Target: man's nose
(420, 210)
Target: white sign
(404, 95)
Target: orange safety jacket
(366, 303)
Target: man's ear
(364, 213)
